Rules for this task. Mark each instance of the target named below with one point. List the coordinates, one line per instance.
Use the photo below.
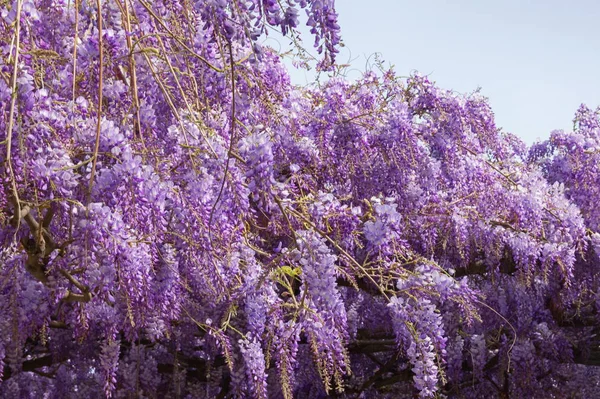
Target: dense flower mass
(178, 220)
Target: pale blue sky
(535, 60)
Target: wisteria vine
(179, 220)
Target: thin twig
(512, 344)
(99, 110)
(132, 72)
(75, 40)
(231, 142)
(340, 249)
(178, 40)
(181, 91)
(9, 131)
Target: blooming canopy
(179, 220)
